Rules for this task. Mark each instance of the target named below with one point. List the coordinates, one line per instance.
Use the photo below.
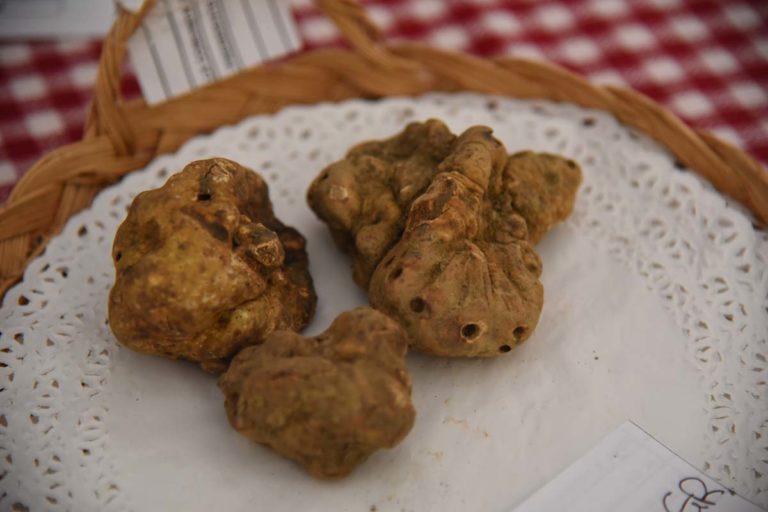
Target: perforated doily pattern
(700, 255)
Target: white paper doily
(656, 310)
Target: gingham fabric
(705, 60)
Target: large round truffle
(203, 268)
(441, 232)
(327, 402)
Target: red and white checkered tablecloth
(705, 60)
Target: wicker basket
(123, 136)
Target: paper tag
(185, 44)
(632, 472)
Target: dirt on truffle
(441, 232)
(203, 267)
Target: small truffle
(452, 260)
(327, 402)
(203, 267)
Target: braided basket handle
(124, 136)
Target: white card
(185, 44)
(632, 472)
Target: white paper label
(186, 44)
(632, 472)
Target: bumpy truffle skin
(327, 402)
(539, 187)
(203, 267)
(458, 271)
(365, 196)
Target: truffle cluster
(441, 232)
(205, 272)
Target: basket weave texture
(122, 136)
